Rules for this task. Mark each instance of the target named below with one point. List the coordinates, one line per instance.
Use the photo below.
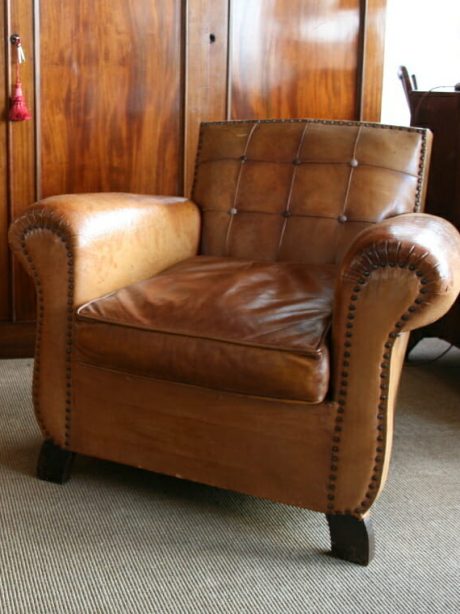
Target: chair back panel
(301, 190)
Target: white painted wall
(423, 35)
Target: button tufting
(342, 219)
(296, 161)
(243, 159)
(233, 211)
(354, 162)
(286, 214)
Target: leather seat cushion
(256, 328)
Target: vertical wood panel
(22, 153)
(373, 60)
(111, 96)
(294, 59)
(4, 260)
(205, 72)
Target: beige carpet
(115, 539)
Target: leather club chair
(250, 338)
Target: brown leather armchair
(251, 338)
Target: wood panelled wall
(110, 95)
(283, 67)
(118, 88)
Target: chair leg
(351, 539)
(54, 463)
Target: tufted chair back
(301, 190)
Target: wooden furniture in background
(118, 89)
(440, 112)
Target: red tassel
(18, 109)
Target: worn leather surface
(243, 326)
(77, 247)
(260, 446)
(397, 276)
(301, 190)
(292, 197)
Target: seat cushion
(248, 327)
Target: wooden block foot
(54, 463)
(351, 539)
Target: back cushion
(301, 190)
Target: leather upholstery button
(354, 162)
(342, 219)
(296, 161)
(286, 214)
(233, 211)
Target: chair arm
(397, 275)
(80, 247)
(110, 239)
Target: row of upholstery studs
(297, 161)
(383, 398)
(234, 211)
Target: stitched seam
(138, 374)
(350, 176)
(311, 353)
(312, 162)
(303, 215)
(370, 261)
(233, 210)
(287, 211)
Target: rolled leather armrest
(425, 246)
(111, 239)
(80, 247)
(397, 275)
